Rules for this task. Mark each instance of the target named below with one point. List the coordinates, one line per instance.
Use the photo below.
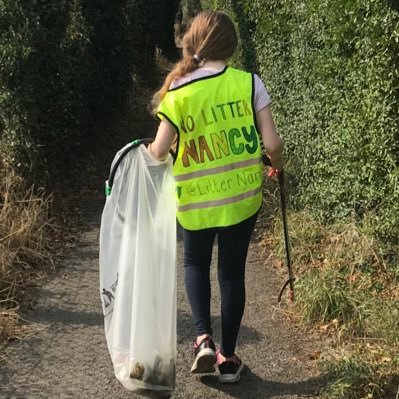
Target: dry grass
(25, 231)
(361, 371)
(346, 248)
(347, 289)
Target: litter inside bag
(138, 272)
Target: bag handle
(134, 144)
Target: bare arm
(271, 140)
(160, 147)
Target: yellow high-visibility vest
(218, 169)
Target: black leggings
(233, 242)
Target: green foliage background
(332, 70)
(64, 67)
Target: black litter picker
(290, 281)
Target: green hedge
(332, 70)
(64, 67)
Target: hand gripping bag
(138, 270)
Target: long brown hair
(211, 36)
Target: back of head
(211, 36)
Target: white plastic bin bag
(138, 271)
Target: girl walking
(216, 116)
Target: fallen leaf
(315, 355)
(324, 328)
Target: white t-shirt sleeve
(261, 97)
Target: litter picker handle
(266, 160)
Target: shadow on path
(252, 386)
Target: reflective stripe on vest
(218, 170)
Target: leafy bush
(332, 70)
(64, 67)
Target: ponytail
(211, 36)
(184, 66)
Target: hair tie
(197, 59)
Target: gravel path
(67, 356)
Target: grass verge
(347, 288)
(25, 241)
